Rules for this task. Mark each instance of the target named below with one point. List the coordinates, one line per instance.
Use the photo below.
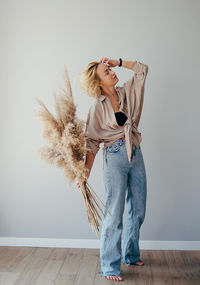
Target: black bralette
(120, 118)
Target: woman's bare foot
(139, 262)
(114, 278)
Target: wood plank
(176, 268)
(88, 266)
(8, 254)
(51, 269)
(21, 259)
(8, 278)
(31, 271)
(70, 270)
(159, 268)
(191, 260)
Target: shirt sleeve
(92, 145)
(133, 89)
(91, 131)
(141, 71)
(140, 68)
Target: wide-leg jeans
(123, 181)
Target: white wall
(37, 39)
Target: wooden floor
(59, 266)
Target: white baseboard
(95, 243)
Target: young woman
(113, 119)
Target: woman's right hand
(110, 62)
(77, 183)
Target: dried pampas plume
(66, 136)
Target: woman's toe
(118, 278)
(114, 278)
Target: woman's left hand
(110, 62)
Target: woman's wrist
(117, 62)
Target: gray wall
(37, 39)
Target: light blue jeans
(123, 180)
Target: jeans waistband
(120, 142)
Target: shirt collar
(101, 97)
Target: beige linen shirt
(101, 124)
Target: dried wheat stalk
(66, 136)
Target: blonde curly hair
(89, 80)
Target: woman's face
(107, 75)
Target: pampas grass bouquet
(65, 133)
